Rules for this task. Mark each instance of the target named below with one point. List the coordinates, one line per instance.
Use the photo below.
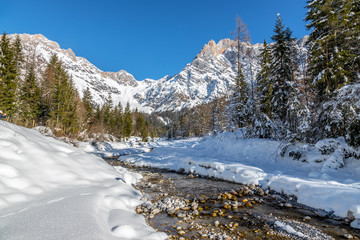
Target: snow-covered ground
(51, 190)
(115, 149)
(317, 178)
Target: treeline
(51, 100)
(198, 121)
(120, 122)
(292, 98)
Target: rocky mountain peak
(122, 77)
(214, 49)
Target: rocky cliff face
(210, 75)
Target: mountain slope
(210, 75)
(121, 85)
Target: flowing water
(191, 207)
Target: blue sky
(148, 38)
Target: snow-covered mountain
(210, 75)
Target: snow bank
(51, 190)
(311, 177)
(115, 149)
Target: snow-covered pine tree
(217, 116)
(262, 125)
(284, 87)
(327, 54)
(350, 12)
(333, 63)
(264, 85)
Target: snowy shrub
(336, 151)
(340, 115)
(102, 146)
(296, 151)
(298, 123)
(327, 146)
(353, 136)
(263, 128)
(335, 161)
(46, 131)
(331, 153)
(296, 155)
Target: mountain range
(210, 75)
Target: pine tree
(139, 123)
(264, 85)
(119, 121)
(70, 119)
(8, 74)
(47, 88)
(18, 54)
(30, 99)
(144, 131)
(217, 117)
(60, 98)
(328, 54)
(107, 111)
(334, 62)
(88, 104)
(282, 69)
(128, 126)
(350, 15)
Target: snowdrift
(51, 190)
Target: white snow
(51, 190)
(115, 149)
(257, 161)
(288, 229)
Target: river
(191, 207)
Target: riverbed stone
(194, 205)
(155, 211)
(288, 205)
(348, 236)
(181, 214)
(355, 224)
(195, 212)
